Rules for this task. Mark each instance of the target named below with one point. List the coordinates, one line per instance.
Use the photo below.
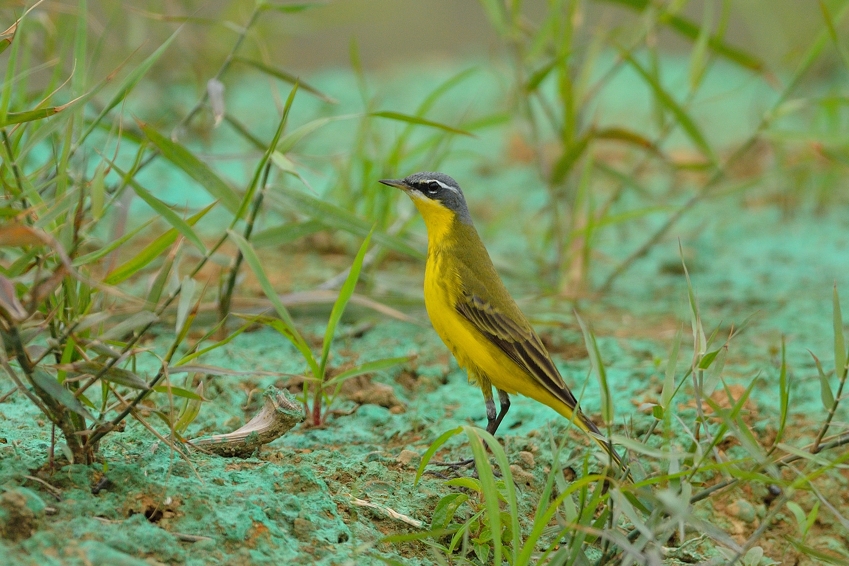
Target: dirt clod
(364, 391)
(20, 510)
(526, 460)
(407, 457)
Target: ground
(300, 500)
(295, 499)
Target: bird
(474, 314)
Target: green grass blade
(129, 82)
(256, 266)
(839, 341)
(669, 380)
(713, 372)
(399, 117)
(223, 342)
(784, 395)
(97, 194)
(570, 156)
(826, 394)
(111, 246)
(179, 392)
(832, 32)
(342, 301)
(190, 411)
(162, 278)
(668, 102)
(495, 12)
(538, 76)
(288, 8)
(285, 77)
(80, 49)
(184, 305)
(699, 341)
(368, 367)
(401, 141)
(11, 71)
(698, 57)
(529, 547)
(150, 252)
(30, 115)
(114, 374)
(599, 370)
(286, 233)
(433, 448)
(186, 161)
(691, 30)
(342, 219)
(510, 490)
(162, 210)
(7, 36)
(489, 489)
(811, 552)
(290, 140)
(258, 172)
(52, 387)
(128, 325)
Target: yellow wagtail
(474, 314)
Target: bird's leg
(494, 422)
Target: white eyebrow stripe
(441, 184)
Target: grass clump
(691, 456)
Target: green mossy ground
(294, 502)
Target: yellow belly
(483, 360)
(473, 352)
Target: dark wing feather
(518, 341)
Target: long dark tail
(588, 426)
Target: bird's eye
(432, 187)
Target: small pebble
(408, 456)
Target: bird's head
(437, 196)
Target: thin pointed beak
(397, 183)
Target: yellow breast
(470, 348)
(442, 290)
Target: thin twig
(226, 296)
(391, 513)
(832, 409)
(7, 394)
(52, 490)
